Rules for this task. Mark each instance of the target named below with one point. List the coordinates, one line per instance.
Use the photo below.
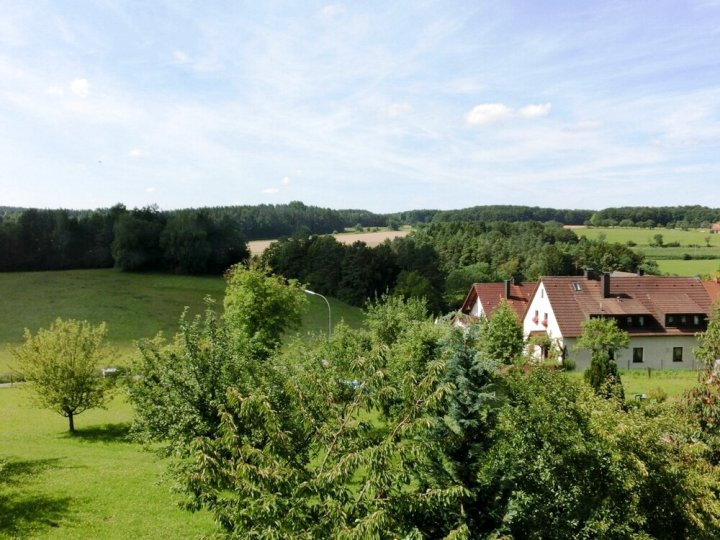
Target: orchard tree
(62, 363)
(260, 308)
(603, 339)
(184, 384)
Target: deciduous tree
(603, 339)
(62, 363)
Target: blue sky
(385, 106)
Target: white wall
(541, 303)
(657, 353)
(477, 309)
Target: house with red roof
(661, 314)
(484, 298)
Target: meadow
(694, 255)
(134, 306)
(94, 484)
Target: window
(629, 321)
(696, 320)
(677, 354)
(576, 286)
(641, 321)
(670, 319)
(637, 355)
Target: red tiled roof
(713, 289)
(491, 294)
(575, 299)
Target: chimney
(640, 272)
(605, 284)
(589, 273)
(506, 288)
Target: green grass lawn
(646, 236)
(669, 259)
(134, 306)
(689, 268)
(94, 484)
(637, 381)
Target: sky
(384, 106)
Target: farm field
(645, 236)
(689, 268)
(689, 259)
(134, 306)
(372, 239)
(94, 484)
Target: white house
(661, 314)
(484, 298)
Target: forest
(446, 251)
(439, 261)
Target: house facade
(484, 298)
(661, 315)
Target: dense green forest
(479, 243)
(439, 261)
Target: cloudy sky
(382, 105)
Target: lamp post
(313, 293)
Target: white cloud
(54, 91)
(80, 87)
(286, 181)
(181, 57)
(488, 113)
(136, 152)
(150, 190)
(534, 111)
(270, 191)
(333, 10)
(587, 125)
(398, 109)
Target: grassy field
(134, 306)
(674, 383)
(689, 268)
(94, 484)
(671, 260)
(646, 236)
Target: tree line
(440, 261)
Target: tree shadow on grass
(21, 511)
(103, 433)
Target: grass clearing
(637, 381)
(689, 268)
(645, 237)
(134, 306)
(94, 484)
(696, 243)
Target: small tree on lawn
(603, 339)
(62, 364)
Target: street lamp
(313, 293)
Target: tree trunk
(71, 421)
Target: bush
(658, 394)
